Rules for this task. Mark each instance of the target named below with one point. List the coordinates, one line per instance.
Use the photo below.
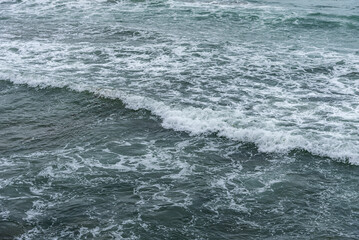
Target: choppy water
(179, 119)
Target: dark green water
(179, 119)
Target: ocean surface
(179, 119)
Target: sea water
(171, 119)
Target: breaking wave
(230, 124)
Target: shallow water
(179, 119)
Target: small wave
(311, 23)
(335, 16)
(197, 121)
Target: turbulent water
(172, 119)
